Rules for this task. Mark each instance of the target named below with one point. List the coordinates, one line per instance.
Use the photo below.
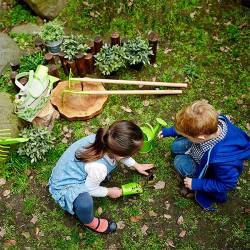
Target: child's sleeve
(129, 162)
(169, 132)
(96, 174)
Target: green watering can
(131, 188)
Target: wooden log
(39, 43)
(98, 44)
(14, 65)
(126, 92)
(153, 40)
(63, 63)
(72, 66)
(49, 58)
(91, 47)
(130, 82)
(89, 61)
(13, 76)
(81, 64)
(53, 70)
(115, 39)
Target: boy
(209, 152)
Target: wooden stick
(125, 92)
(148, 83)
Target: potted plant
(110, 59)
(137, 52)
(150, 133)
(52, 34)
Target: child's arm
(166, 132)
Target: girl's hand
(188, 183)
(114, 192)
(141, 168)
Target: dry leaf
(192, 15)
(6, 193)
(145, 103)
(144, 229)
(135, 218)
(99, 211)
(112, 247)
(167, 50)
(126, 109)
(120, 224)
(92, 13)
(2, 181)
(170, 243)
(228, 23)
(167, 205)
(26, 235)
(2, 232)
(65, 129)
(180, 220)
(34, 219)
(68, 238)
(85, 3)
(37, 231)
(64, 140)
(160, 185)
(152, 213)
(182, 233)
(167, 216)
(10, 242)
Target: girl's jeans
(184, 164)
(83, 207)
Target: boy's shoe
(185, 192)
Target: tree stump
(77, 106)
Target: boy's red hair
(199, 118)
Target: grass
(210, 50)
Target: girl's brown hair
(199, 118)
(122, 138)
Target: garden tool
(35, 94)
(6, 141)
(131, 188)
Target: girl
(79, 172)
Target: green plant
(72, 45)
(52, 31)
(137, 51)
(110, 59)
(40, 142)
(30, 62)
(24, 40)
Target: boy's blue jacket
(220, 167)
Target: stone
(8, 51)
(28, 28)
(8, 120)
(48, 9)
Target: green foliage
(73, 45)
(233, 33)
(110, 59)
(40, 142)
(30, 62)
(24, 40)
(52, 31)
(191, 70)
(137, 51)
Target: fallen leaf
(87, 131)
(99, 211)
(26, 235)
(6, 193)
(160, 185)
(144, 229)
(92, 13)
(170, 243)
(64, 140)
(180, 220)
(167, 205)
(67, 238)
(120, 224)
(167, 216)
(37, 230)
(112, 247)
(34, 219)
(2, 181)
(152, 213)
(135, 218)
(145, 103)
(126, 109)
(65, 129)
(228, 23)
(85, 3)
(192, 15)
(182, 233)
(167, 50)
(151, 200)
(2, 232)
(10, 242)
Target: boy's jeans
(183, 163)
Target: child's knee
(83, 202)
(180, 145)
(184, 165)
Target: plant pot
(137, 66)
(147, 147)
(131, 188)
(54, 47)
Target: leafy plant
(110, 59)
(191, 70)
(30, 62)
(24, 40)
(40, 142)
(52, 31)
(72, 45)
(137, 51)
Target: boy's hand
(160, 135)
(141, 168)
(188, 183)
(114, 192)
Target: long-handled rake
(6, 141)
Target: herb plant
(73, 45)
(110, 59)
(137, 51)
(40, 142)
(52, 31)
(30, 62)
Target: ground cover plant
(204, 43)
